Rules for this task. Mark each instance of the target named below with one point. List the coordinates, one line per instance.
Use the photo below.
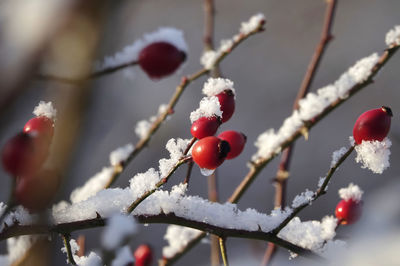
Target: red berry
(227, 101)
(210, 152)
(236, 142)
(36, 191)
(160, 59)
(143, 255)
(24, 154)
(41, 124)
(372, 125)
(348, 211)
(205, 126)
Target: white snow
(123, 257)
(351, 192)
(91, 260)
(131, 52)
(121, 154)
(209, 106)
(393, 36)
(45, 109)
(92, 186)
(176, 148)
(209, 58)
(118, 229)
(312, 105)
(310, 234)
(336, 155)
(374, 155)
(142, 127)
(178, 237)
(18, 246)
(214, 86)
(305, 197)
(194, 208)
(252, 24)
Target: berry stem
(93, 75)
(224, 254)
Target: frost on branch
(209, 106)
(215, 86)
(312, 105)
(142, 127)
(119, 228)
(351, 192)
(393, 36)
(336, 155)
(304, 198)
(121, 154)
(178, 237)
(374, 155)
(209, 58)
(310, 234)
(131, 52)
(45, 109)
(92, 186)
(91, 260)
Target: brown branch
(257, 167)
(63, 228)
(106, 71)
(284, 165)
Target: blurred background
(64, 38)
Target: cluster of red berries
(23, 157)
(372, 125)
(210, 151)
(160, 59)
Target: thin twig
(321, 190)
(109, 70)
(224, 254)
(284, 165)
(159, 184)
(142, 143)
(66, 238)
(188, 173)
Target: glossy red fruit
(24, 154)
(160, 59)
(205, 126)
(227, 101)
(42, 125)
(372, 125)
(143, 255)
(18, 154)
(36, 191)
(210, 152)
(348, 211)
(236, 142)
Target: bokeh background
(267, 71)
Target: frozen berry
(42, 125)
(210, 152)
(372, 125)
(205, 126)
(36, 191)
(227, 101)
(160, 59)
(236, 142)
(143, 255)
(348, 211)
